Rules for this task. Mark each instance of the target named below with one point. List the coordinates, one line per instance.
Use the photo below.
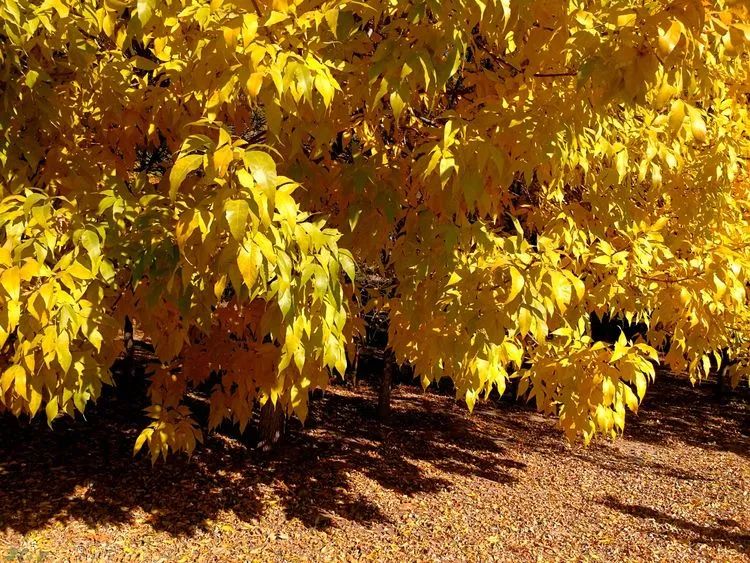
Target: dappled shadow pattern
(725, 533)
(674, 410)
(84, 470)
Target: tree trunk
(355, 367)
(721, 376)
(126, 379)
(271, 426)
(384, 395)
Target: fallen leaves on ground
(432, 484)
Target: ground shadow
(84, 469)
(675, 410)
(726, 533)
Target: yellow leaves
(640, 384)
(676, 115)
(58, 5)
(222, 158)
(516, 284)
(471, 398)
(10, 280)
(524, 320)
(668, 39)
(608, 391)
(254, 83)
(621, 348)
(144, 10)
(79, 271)
(398, 104)
(697, 125)
(236, 212)
(453, 279)
(14, 376)
(249, 29)
(534, 196)
(561, 290)
(62, 351)
(630, 398)
(172, 429)
(184, 166)
(621, 164)
(666, 92)
(248, 262)
(286, 206)
(261, 166)
(325, 86)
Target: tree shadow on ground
(84, 469)
(675, 410)
(685, 530)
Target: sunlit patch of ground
(433, 484)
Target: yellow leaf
(668, 40)
(51, 410)
(184, 166)
(236, 212)
(698, 126)
(676, 115)
(254, 83)
(524, 320)
(10, 279)
(621, 348)
(516, 284)
(326, 89)
(397, 104)
(248, 262)
(11, 375)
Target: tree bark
(355, 367)
(271, 426)
(721, 376)
(386, 381)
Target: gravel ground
(434, 484)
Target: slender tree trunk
(355, 366)
(720, 380)
(271, 426)
(126, 379)
(128, 339)
(386, 381)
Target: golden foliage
(201, 167)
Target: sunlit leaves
(184, 166)
(506, 168)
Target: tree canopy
(219, 172)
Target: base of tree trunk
(271, 426)
(722, 384)
(386, 382)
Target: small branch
(555, 74)
(495, 58)
(261, 17)
(670, 280)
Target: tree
(213, 171)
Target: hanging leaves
(219, 174)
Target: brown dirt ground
(434, 484)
